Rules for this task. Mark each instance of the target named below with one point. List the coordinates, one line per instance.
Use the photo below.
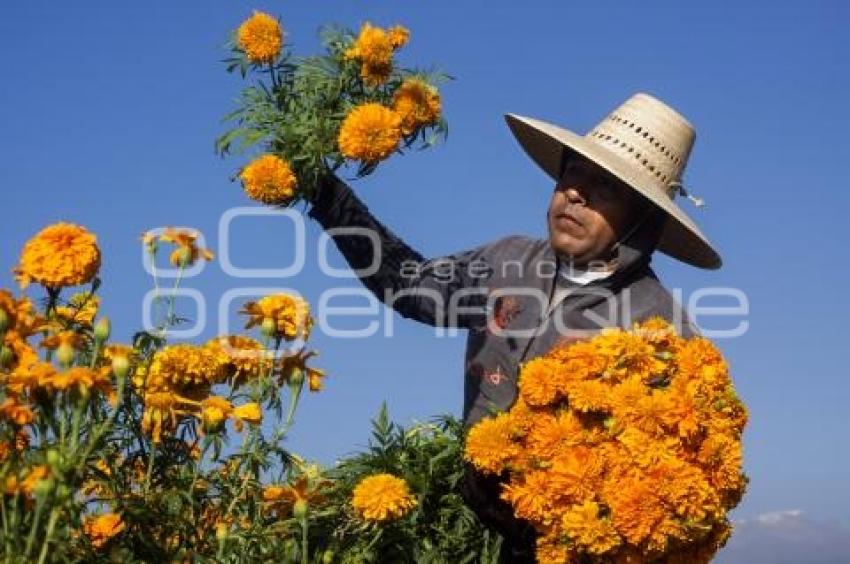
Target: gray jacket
(508, 293)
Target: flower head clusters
(62, 254)
(374, 49)
(382, 497)
(260, 37)
(624, 446)
(309, 115)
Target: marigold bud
(296, 378)
(120, 366)
(4, 320)
(65, 355)
(6, 356)
(300, 509)
(221, 530)
(269, 327)
(102, 329)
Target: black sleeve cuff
(330, 193)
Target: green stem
(106, 425)
(6, 537)
(75, 423)
(150, 469)
(293, 404)
(51, 524)
(304, 541)
(35, 521)
(171, 299)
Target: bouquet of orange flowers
(623, 448)
(312, 114)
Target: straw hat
(644, 143)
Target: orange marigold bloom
(187, 251)
(16, 413)
(260, 37)
(589, 395)
(83, 378)
(186, 368)
(162, 411)
(399, 36)
(62, 254)
(594, 534)
(286, 315)
(242, 357)
(417, 103)
(532, 498)
(382, 497)
(282, 498)
(369, 133)
(293, 364)
(81, 309)
(268, 179)
(250, 413)
(100, 529)
(70, 338)
(538, 382)
(489, 444)
(374, 48)
(214, 412)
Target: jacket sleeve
(444, 291)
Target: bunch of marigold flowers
(311, 115)
(98, 439)
(622, 448)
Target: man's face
(590, 209)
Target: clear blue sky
(108, 113)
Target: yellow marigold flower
(417, 103)
(577, 472)
(585, 527)
(288, 315)
(531, 498)
(68, 338)
(8, 309)
(369, 133)
(187, 251)
(398, 35)
(635, 509)
(187, 368)
(268, 179)
(250, 413)
(260, 37)
(382, 497)
(214, 412)
(550, 549)
(374, 48)
(62, 254)
(490, 445)
(16, 413)
(306, 489)
(100, 529)
(162, 411)
(538, 383)
(242, 357)
(26, 367)
(292, 365)
(80, 378)
(81, 309)
(553, 433)
(589, 395)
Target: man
(612, 206)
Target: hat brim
(547, 144)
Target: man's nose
(574, 196)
